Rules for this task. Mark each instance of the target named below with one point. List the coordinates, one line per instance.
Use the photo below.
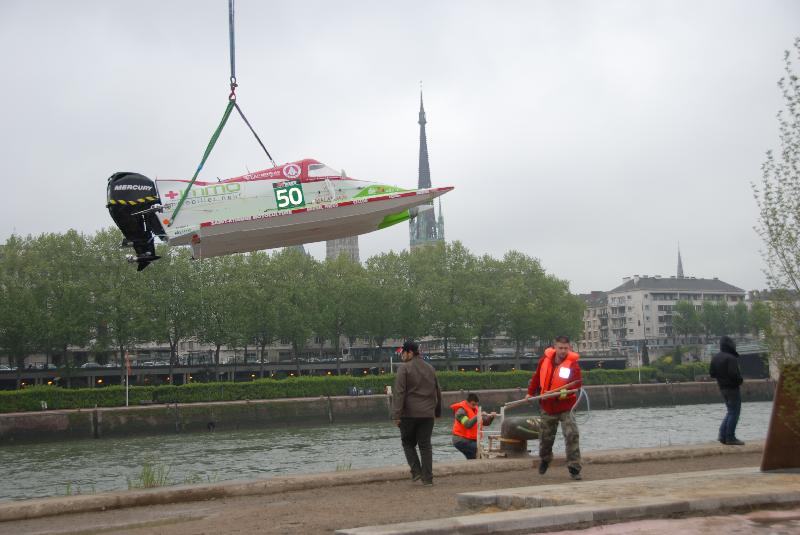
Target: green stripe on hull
(393, 219)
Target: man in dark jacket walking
(725, 369)
(417, 400)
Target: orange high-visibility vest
(551, 380)
(458, 428)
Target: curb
(37, 508)
(559, 518)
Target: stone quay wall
(225, 416)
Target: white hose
(588, 414)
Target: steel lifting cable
(231, 104)
(234, 84)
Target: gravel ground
(325, 510)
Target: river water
(88, 466)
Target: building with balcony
(639, 312)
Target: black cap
(408, 345)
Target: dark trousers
(416, 432)
(733, 402)
(468, 447)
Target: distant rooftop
(675, 283)
(595, 299)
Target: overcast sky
(594, 136)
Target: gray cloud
(592, 135)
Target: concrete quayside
(726, 481)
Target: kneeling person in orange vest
(465, 425)
(558, 368)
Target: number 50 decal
(290, 195)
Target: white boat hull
(304, 225)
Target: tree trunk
(216, 360)
(296, 357)
(122, 369)
(244, 360)
(480, 352)
(173, 353)
(338, 355)
(261, 360)
(516, 356)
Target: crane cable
(231, 105)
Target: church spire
(424, 166)
(680, 263)
(423, 229)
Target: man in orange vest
(558, 368)
(465, 428)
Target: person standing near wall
(416, 401)
(557, 368)
(725, 369)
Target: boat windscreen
(320, 169)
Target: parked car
(4, 368)
(160, 363)
(91, 365)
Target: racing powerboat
(299, 202)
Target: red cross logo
(171, 195)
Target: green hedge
(29, 399)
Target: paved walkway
(589, 503)
(318, 504)
(783, 522)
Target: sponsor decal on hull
(205, 194)
(291, 171)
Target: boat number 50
(290, 196)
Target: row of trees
(69, 290)
(716, 318)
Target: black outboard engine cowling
(132, 201)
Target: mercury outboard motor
(132, 201)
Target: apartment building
(639, 311)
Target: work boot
(734, 442)
(543, 467)
(416, 477)
(575, 473)
(428, 483)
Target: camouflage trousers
(547, 436)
